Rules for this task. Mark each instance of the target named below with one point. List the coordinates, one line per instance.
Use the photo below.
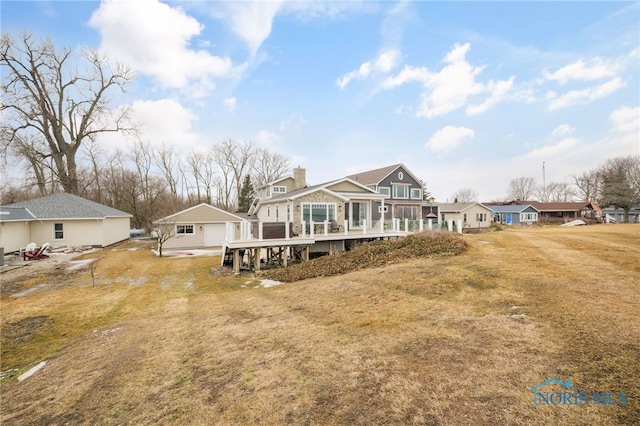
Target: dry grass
(445, 340)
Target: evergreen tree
(247, 195)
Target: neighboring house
(564, 211)
(466, 215)
(402, 191)
(61, 220)
(514, 214)
(199, 226)
(618, 214)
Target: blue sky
(465, 94)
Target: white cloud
(592, 93)
(449, 138)
(293, 122)
(266, 137)
(153, 38)
(252, 21)
(498, 90)
(452, 87)
(563, 130)
(165, 121)
(230, 103)
(580, 70)
(626, 120)
(383, 64)
(552, 150)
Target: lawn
(440, 340)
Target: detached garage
(61, 220)
(199, 226)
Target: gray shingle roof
(68, 206)
(373, 177)
(15, 213)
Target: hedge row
(372, 255)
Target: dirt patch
(25, 328)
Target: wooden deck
(281, 251)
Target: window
(318, 212)
(400, 191)
(382, 209)
(58, 231)
(528, 217)
(384, 190)
(184, 229)
(481, 217)
(400, 176)
(269, 211)
(279, 189)
(464, 217)
(288, 212)
(268, 192)
(416, 194)
(277, 212)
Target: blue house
(515, 214)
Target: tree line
(56, 103)
(615, 182)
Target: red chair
(37, 254)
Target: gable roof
(519, 208)
(68, 206)
(560, 207)
(8, 214)
(458, 207)
(373, 177)
(232, 216)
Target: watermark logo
(570, 396)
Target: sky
(465, 94)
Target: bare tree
(163, 232)
(621, 183)
(268, 166)
(522, 188)
(201, 166)
(465, 195)
(588, 185)
(168, 161)
(234, 158)
(49, 93)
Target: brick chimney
(299, 178)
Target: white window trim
(186, 227)
(54, 231)
(419, 197)
(397, 185)
(279, 189)
(384, 209)
(388, 190)
(310, 205)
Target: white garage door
(214, 234)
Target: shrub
(372, 255)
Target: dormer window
(279, 189)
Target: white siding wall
(14, 235)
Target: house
(403, 192)
(460, 216)
(347, 202)
(202, 225)
(514, 214)
(617, 214)
(564, 211)
(61, 220)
